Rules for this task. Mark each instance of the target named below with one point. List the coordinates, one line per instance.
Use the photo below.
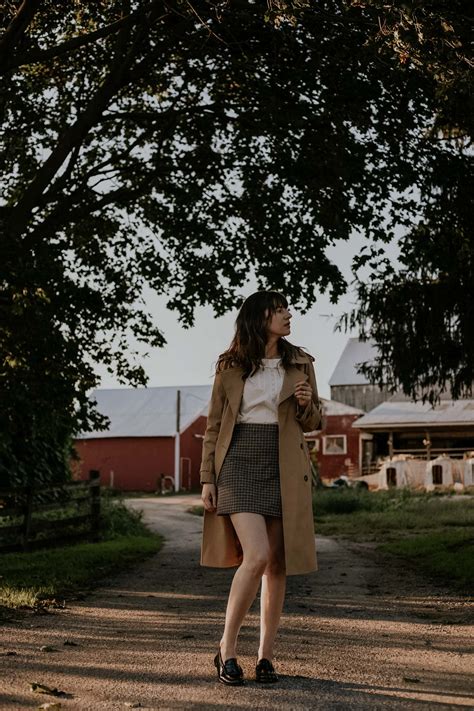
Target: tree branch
(72, 207)
(74, 135)
(73, 44)
(17, 27)
(150, 14)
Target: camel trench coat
(220, 545)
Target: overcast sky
(190, 354)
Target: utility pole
(177, 452)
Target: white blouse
(261, 393)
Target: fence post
(94, 483)
(27, 511)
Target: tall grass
(370, 515)
(346, 500)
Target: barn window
(437, 473)
(334, 444)
(391, 476)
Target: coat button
(306, 477)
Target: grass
(152, 494)
(448, 555)
(387, 515)
(435, 533)
(28, 579)
(196, 510)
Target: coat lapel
(234, 387)
(291, 377)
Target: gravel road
(357, 634)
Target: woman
(256, 474)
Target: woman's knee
(257, 560)
(276, 564)
(253, 536)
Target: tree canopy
(181, 144)
(421, 315)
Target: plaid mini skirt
(249, 480)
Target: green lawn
(388, 515)
(436, 533)
(448, 555)
(28, 578)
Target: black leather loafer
(228, 672)
(265, 672)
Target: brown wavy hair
(248, 344)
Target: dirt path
(355, 635)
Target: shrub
(119, 520)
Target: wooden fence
(38, 517)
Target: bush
(118, 520)
(345, 501)
(339, 501)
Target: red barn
(337, 446)
(140, 449)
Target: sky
(189, 356)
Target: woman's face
(279, 323)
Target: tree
(421, 315)
(434, 40)
(177, 145)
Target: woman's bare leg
(251, 530)
(272, 595)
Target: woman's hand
(303, 393)
(209, 496)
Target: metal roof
(398, 412)
(151, 412)
(355, 351)
(333, 407)
(148, 412)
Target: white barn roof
(334, 407)
(399, 411)
(356, 351)
(148, 412)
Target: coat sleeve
(311, 416)
(207, 473)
